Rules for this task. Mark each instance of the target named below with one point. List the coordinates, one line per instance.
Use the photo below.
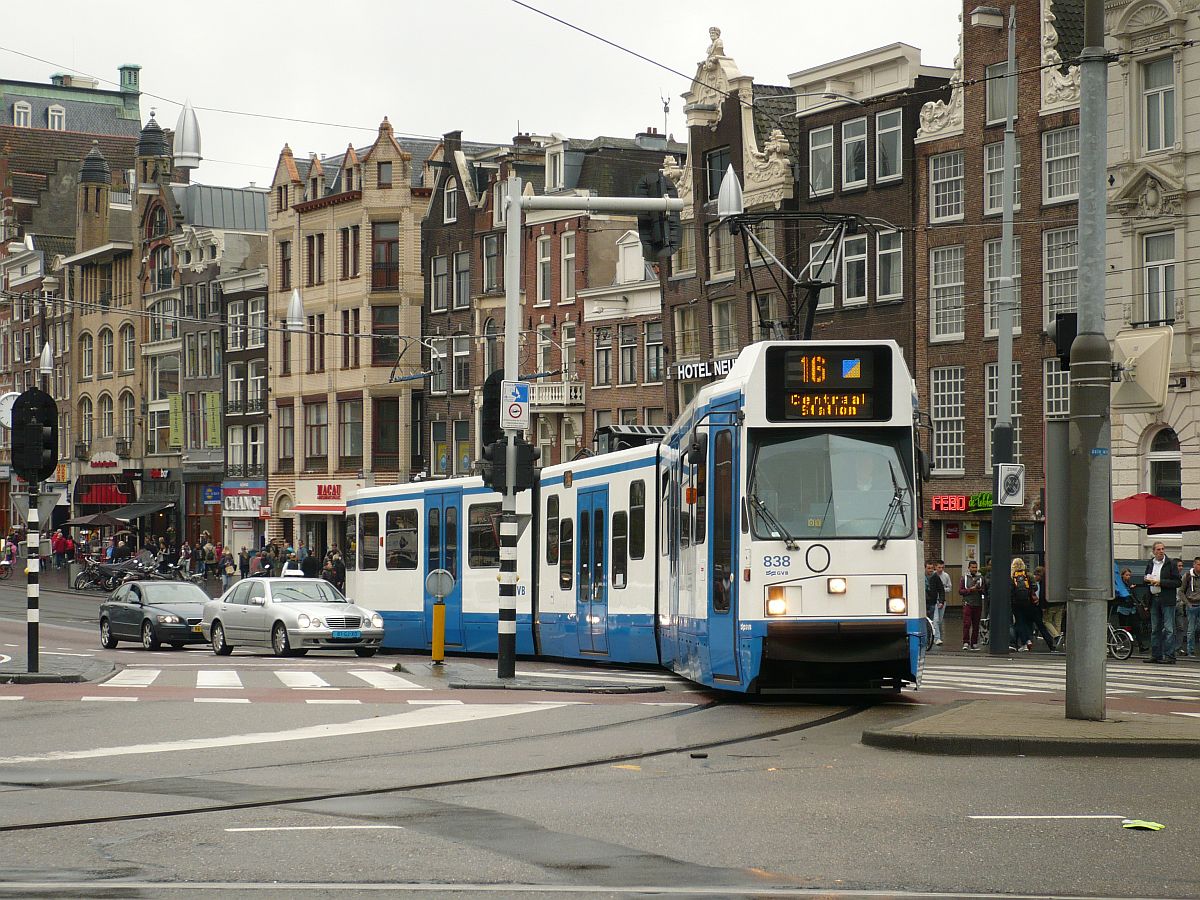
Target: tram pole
(506, 620)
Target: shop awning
(324, 509)
(139, 510)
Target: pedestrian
(185, 557)
(328, 573)
(1038, 612)
(210, 558)
(1191, 598)
(1163, 578)
(935, 599)
(291, 566)
(265, 564)
(339, 568)
(244, 562)
(1125, 604)
(1023, 597)
(970, 588)
(310, 565)
(941, 611)
(228, 569)
(301, 552)
(58, 546)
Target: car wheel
(150, 640)
(279, 640)
(219, 646)
(107, 641)
(364, 651)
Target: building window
(236, 335)
(946, 291)
(56, 120)
(383, 176)
(993, 178)
(997, 93)
(554, 170)
(106, 352)
(285, 431)
(127, 416)
(720, 251)
(946, 402)
(439, 358)
(854, 153)
(716, 162)
(544, 354)
(86, 359)
(820, 161)
(1061, 271)
(499, 202)
(236, 397)
(285, 353)
(257, 379)
(684, 259)
(462, 449)
(316, 435)
(603, 368)
(1056, 388)
(566, 287)
(351, 357)
(946, 187)
(821, 268)
(439, 296)
(106, 416)
(1060, 164)
(770, 316)
(350, 433)
(687, 333)
(544, 272)
(450, 201)
(85, 420)
(257, 336)
(385, 335)
(654, 352)
(462, 280)
(385, 256)
(462, 364)
(889, 145)
(22, 114)
(992, 373)
(316, 343)
(491, 262)
(281, 198)
(568, 351)
(1158, 104)
(440, 446)
(889, 269)
(724, 338)
(1165, 466)
(765, 234)
(991, 286)
(854, 270)
(285, 265)
(628, 337)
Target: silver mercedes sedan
(291, 616)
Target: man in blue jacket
(1163, 578)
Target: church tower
(91, 203)
(153, 158)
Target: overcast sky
(487, 67)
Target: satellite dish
(729, 198)
(1143, 358)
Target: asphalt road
(421, 790)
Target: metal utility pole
(1002, 433)
(1089, 549)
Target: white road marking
(133, 678)
(434, 702)
(218, 678)
(304, 681)
(1046, 817)
(386, 681)
(1194, 715)
(10, 697)
(111, 697)
(333, 700)
(323, 828)
(220, 700)
(663, 703)
(418, 718)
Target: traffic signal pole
(33, 560)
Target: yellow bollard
(439, 632)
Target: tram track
(493, 777)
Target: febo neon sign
(978, 502)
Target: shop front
(244, 514)
(958, 529)
(104, 485)
(202, 507)
(321, 507)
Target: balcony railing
(255, 470)
(316, 464)
(385, 462)
(105, 299)
(350, 463)
(235, 407)
(254, 405)
(385, 277)
(557, 393)
(123, 447)
(235, 470)
(81, 450)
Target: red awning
(1186, 520)
(104, 495)
(1144, 510)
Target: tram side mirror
(924, 464)
(697, 451)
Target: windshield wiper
(773, 522)
(895, 508)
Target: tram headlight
(837, 585)
(897, 603)
(776, 600)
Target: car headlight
(168, 620)
(776, 601)
(837, 585)
(376, 620)
(302, 620)
(316, 623)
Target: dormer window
(312, 189)
(349, 178)
(21, 114)
(554, 170)
(450, 201)
(56, 118)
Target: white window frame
(724, 328)
(885, 130)
(627, 346)
(993, 178)
(256, 318)
(566, 288)
(22, 115)
(898, 251)
(545, 271)
(687, 333)
(946, 175)
(1064, 165)
(1167, 274)
(491, 263)
(813, 148)
(56, 118)
(439, 286)
(499, 206)
(947, 295)
(720, 253)
(684, 260)
(990, 376)
(824, 272)
(1059, 245)
(555, 170)
(1164, 99)
(653, 352)
(107, 351)
(460, 348)
(236, 336)
(947, 405)
(461, 280)
(1056, 389)
(450, 201)
(854, 256)
(996, 76)
(87, 359)
(991, 286)
(567, 336)
(849, 141)
(439, 355)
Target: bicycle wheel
(1120, 643)
(985, 632)
(928, 633)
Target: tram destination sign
(829, 384)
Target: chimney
(650, 139)
(452, 142)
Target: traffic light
(489, 415)
(35, 435)
(527, 457)
(660, 232)
(1062, 332)
(494, 465)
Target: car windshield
(306, 592)
(178, 592)
(831, 484)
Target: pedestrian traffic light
(661, 232)
(494, 465)
(1062, 331)
(527, 457)
(489, 415)
(35, 435)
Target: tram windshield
(831, 484)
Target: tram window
(435, 538)
(400, 540)
(552, 530)
(637, 520)
(452, 539)
(620, 546)
(585, 544)
(701, 501)
(368, 544)
(565, 555)
(483, 542)
(351, 543)
(598, 546)
(666, 514)
(722, 520)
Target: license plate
(351, 635)
(199, 629)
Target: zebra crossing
(261, 679)
(1028, 676)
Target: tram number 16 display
(829, 383)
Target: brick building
(959, 158)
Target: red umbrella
(1144, 510)
(1185, 520)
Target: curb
(93, 672)
(973, 745)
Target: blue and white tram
(767, 543)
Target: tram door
(443, 515)
(591, 601)
(723, 543)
